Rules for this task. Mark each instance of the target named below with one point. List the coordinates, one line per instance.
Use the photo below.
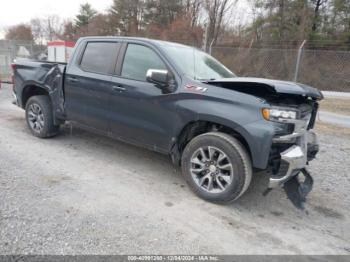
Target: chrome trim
(150, 72)
(287, 138)
(300, 128)
(296, 158)
(296, 155)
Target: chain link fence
(323, 69)
(11, 50)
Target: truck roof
(140, 39)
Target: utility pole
(297, 66)
(205, 38)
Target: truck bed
(44, 74)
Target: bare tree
(38, 31)
(216, 10)
(317, 6)
(53, 27)
(255, 29)
(303, 27)
(193, 9)
(48, 28)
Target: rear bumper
(15, 99)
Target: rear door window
(100, 57)
(138, 60)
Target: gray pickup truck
(179, 101)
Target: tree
(86, 14)
(181, 30)
(20, 32)
(48, 28)
(52, 27)
(216, 10)
(162, 12)
(282, 21)
(100, 25)
(341, 24)
(69, 31)
(127, 16)
(193, 9)
(37, 30)
(316, 17)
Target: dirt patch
(277, 213)
(328, 212)
(332, 129)
(169, 204)
(54, 180)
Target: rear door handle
(119, 88)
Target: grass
(336, 105)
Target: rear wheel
(39, 117)
(217, 167)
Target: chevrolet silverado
(179, 101)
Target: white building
(59, 51)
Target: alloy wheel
(211, 169)
(36, 117)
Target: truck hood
(263, 87)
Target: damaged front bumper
(295, 157)
(291, 174)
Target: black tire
(48, 128)
(235, 152)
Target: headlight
(275, 114)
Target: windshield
(197, 64)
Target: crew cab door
(88, 82)
(141, 112)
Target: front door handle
(118, 88)
(73, 79)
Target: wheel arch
(198, 127)
(32, 90)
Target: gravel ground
(80, 193)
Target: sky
(13, 12)
(22, 11)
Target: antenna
(194, 64)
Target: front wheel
(39, 117)
(217, 167)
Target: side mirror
(158, 77)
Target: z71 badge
(194, 88)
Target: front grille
(284, 166)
